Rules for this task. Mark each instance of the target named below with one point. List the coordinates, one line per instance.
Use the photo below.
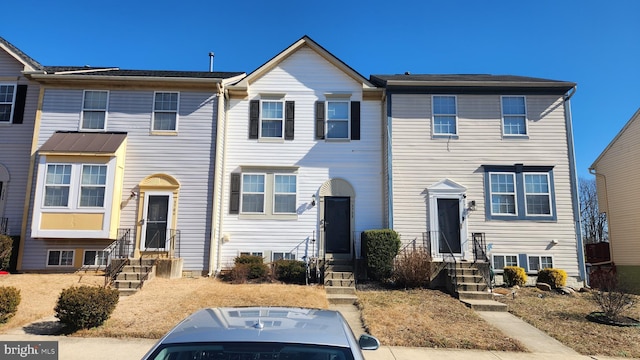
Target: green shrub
(249, 267)
(6, 246)
(412, 269)
(554, 277)
(514, 275)
(290, 271)
(380, 247)
(85, 307)
(9, 301)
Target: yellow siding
(118, 190)
(71, 221)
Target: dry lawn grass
(564, 318)
(39, 294)
(428, 318)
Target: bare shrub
(612, 297)
(412, 268)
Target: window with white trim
(275, 256)
(94, 110)
(537, 263)
(338, 119)
(252, 253)
(271, 119)
(57, 184)
(92, 185)
(444, 115)
(284, 194)
(514, 115)
(253, 186)
(60, 257)
(165, 111)
(519, 192)
(7, 102)
(501, 261)
(95, 258)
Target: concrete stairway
(133, 276)
(339, 282)
(472, 289)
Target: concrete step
(129, 276)
(136, 269)
(127, 292)
(341, 299)
(339, 275)
(485, 305)
(339, 282)
(474, 295)
(127, 284)
(338, 268)
(471, 286)
(475, 279)
(340, 290)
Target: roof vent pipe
(211, 55)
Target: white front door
(447, 220)
(157, 221)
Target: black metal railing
(174, 243)
(120, 250)
(448, 257)
(481, 259)
(305, 250)
(4, 226)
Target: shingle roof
(34, 64)
(382, 80)
(114, 71)
(84, 142)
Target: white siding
(187, 156)
(304, 77)
(420, 161)
(617, 173)
(15, 144)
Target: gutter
(573, 176)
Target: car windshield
(253, 351)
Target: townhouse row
(293, 160)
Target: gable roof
(242, 85)
(17, 54)
(471, 83)
(635, 117)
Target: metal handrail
(451, 272)
(174, 239)
(119, 249)
(480, 254)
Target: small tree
(611, 297)
(412, 268)
(594, 223)
(6, 246)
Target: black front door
(156, 232)
(337, 225)
(449, 224)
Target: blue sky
(593, 43)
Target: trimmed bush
(249, 267)
(554, 277)
(412, 269)
(380, 247)
(514, 275)
(85, 307)
(6, 246)
(290, 271)
(9, 301)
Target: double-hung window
(7, 102)
(444, 115)
(271, 119)
(537, 263)
(57, 184)
(514, 116)
(519, 192)
(93, 184)
(60, 258)
(94, 110)
(165, 111)
(95, 258)
(253, 186)
(500, 261)
(337, 119)
(284, 194)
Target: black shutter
(355, 120)
(319, 120)
(21, 99)
(289, 115)
(254, 115)
(234, 199)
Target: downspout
(218, 171)
(573, 176)
(389, 164)
(223, 158)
